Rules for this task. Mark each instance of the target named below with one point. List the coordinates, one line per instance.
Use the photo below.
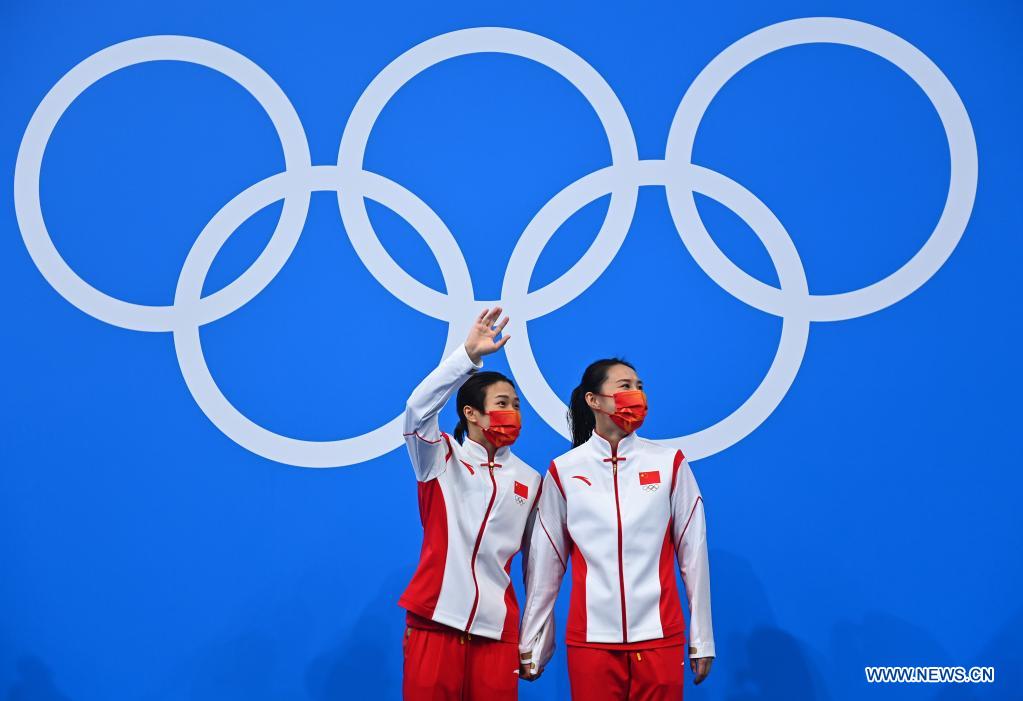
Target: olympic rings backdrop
(236, 237)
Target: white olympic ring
(621, 180)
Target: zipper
(621, 568)
(476, 549)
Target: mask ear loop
(609, 396)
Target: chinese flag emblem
(521, 490)
(650, 477)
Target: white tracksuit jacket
(623, 517)
(474, 514)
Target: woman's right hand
(481, 337)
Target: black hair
(473, 392)
(581, 421)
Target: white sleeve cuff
(464, 360)
(701, 650)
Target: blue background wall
(873, 519)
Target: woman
(622, 508)
(475, 499)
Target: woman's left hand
(700, 667)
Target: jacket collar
(476, 453)
(602, 446)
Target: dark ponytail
(473, 392)
(581, 420)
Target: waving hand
(481, 341)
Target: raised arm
(544, 569)
(689, 529)
(426, 445)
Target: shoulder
(566, 462)
(661, 451)
(522, 470)
(571, 458)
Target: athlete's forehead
(501, 390)
(620, 375)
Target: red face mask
(504, 426)
(630, 409)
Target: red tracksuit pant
(655, 674)
(450, 665)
